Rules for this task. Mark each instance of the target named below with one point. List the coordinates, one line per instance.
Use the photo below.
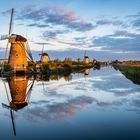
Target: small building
(86, 60)
(3, 61)
(79, 60)
(44, 58)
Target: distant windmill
(19, 47)
(44, 57)
(86, 59)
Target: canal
(98, 104)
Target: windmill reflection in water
(19, 95)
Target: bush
(7, 68)
(68, 61)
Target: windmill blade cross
(5, 55)
(13, 123)
(4, 37)
(9, 32)
(11, 22)
(27, 48)
(5, 106)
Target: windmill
(19, 50)
(86, 59)
(20, 96)
(44, 57)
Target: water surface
(101, 105)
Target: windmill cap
(86, 57)
(44, 54)
(16, 105)
(18, 38)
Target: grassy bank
(55, 67)
(48, 69)
(130, 71)
(66, 66)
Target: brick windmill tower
(19, 49)
(17, 57)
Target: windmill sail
(11, 22)
(9, 32)
(27, 48)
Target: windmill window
(16, 55)
(16, 89)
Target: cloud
(55, 16)
(119, 41)
(116, 84)
(57, 111)
(61, 22)
(104, 104)
(69, 43)
(7, 12)
(38, 25)
(53, 34)
(123, 33)
(133, 16)
(136, 103)
(104, 22)
(134, 20)
(57, 107)
(110, 21)
(41, 43)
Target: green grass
(132, 73)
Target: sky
(105, 29)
